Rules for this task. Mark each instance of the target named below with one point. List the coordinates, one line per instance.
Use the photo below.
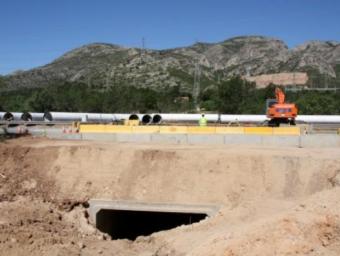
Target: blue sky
(34, 32)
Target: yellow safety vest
(203, 121)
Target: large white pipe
(213, 118)
(318, 118)
(62, 116)
(6, 116)
(146, 119)
(31, 116)
(97, 117)
(168, 117)
(243, 118)
(2, 114)
(134, 117)
(156, 118)
(12, 116)
(83, 117)
(248, 118)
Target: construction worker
(203, 121)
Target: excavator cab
(280, 112)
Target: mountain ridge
(105, 64)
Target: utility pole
(197, 84)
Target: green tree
(234, 95)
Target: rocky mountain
(105, 65)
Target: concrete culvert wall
(156, 119)
(146, 119)
(120, 224)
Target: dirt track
(274, 201)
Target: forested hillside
(234, 96)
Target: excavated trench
(246, 183)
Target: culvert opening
(128, 224)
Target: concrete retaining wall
(304, 141)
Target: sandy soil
(274, 201)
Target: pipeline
(31, 116)
(318, 118)
(10, 116)
(154, 118)
(213, 118)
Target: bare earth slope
(273, 201)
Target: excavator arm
(280, 96)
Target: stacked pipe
(147, 118)
(83, 117)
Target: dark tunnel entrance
(127, 224)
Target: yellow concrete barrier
(173, 129)
(201, 130)
(118, 129)
(286, 131)
(92, 128)
(258, 130)
(145, 129)
(101, 128)
(131, 122)
(230, 130)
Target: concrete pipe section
(156, 119)
(26, 117)
(7, 116)
(37, 116)
(146, 119)
(133, 117)
(11, 116)
(129, 219)
(63, 116)
(84, 117)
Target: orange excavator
(279, 111)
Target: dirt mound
(273, 201)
